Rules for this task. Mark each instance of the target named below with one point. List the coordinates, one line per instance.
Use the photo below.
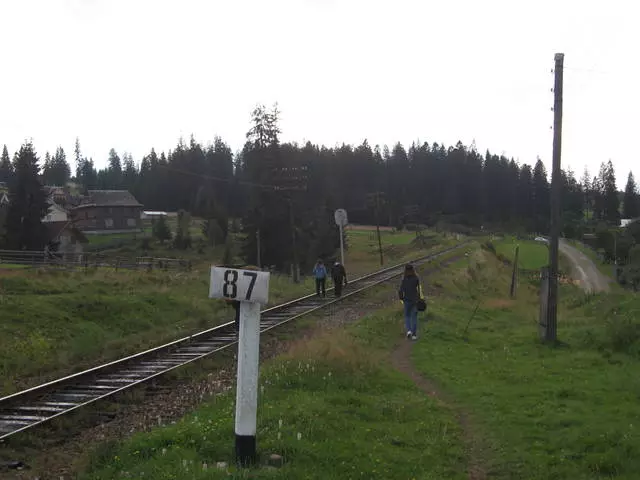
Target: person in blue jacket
(320, 274)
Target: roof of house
(109, 198)
(55, 229)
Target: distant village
(73, 215)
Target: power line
(229, 180)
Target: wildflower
(280, 423)
(164, 451)
(279, 435)
(299, 436)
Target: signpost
(251, 289)
(340, 216)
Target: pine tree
(267, 209)
(587, 195)
(23, 228)
(182, 240)
(631, 200)
(6, 168)
(56, 170)
(129, 174)
(542, 200)
(610, 201)
(114, 177)
(79, 160)
(161, 230)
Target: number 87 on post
(241, 285)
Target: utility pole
(373, 201)
(258, 259)
(378, 227)
(295, 272)
(552, 308)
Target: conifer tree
(631, 199)
(6, 168)
(28, 204)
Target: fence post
(514, 274)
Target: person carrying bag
(412, 297)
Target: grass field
(534, 411)
(363, 254)
(338, 381)
(531, 256)
(544, 412)
(56, 322)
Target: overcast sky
(136, 74)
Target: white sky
(136, 74)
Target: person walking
(320, 274)
(410, 292)
(339, 275)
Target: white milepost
(251, 289)
(341, 219)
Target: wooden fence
(34, 259)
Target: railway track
(29, 408)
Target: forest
(270, 186)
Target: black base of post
(245, 450)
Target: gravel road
(584, 270)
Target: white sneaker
(414, 337)
(409, 334)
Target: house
(68, 240)
(107, 211)
(55, 213)
(59, 195)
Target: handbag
(422, 304)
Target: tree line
(285, 193)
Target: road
(584, 270)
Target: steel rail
(34, 406)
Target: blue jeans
(411, 316)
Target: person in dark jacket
(339, 275)
(409, 292)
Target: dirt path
(401, 359)
(584, 270)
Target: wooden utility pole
(514, 274)
(378, 227)
(552, 306)
(258, 259)
(295, 269)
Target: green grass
(543, 412)
(362, 254)
(536, 411)
(344, 414)
(531, 256)
(53, 323)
